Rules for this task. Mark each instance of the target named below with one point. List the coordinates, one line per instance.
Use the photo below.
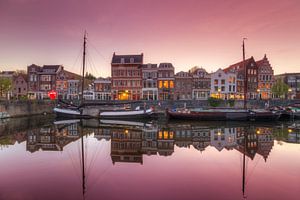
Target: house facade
(102, 89)
(183, 86)
(19, 86)
(150, 89)
(201, 83)
(266, 78)
(166, 81)
(126, 77)
(223, 84)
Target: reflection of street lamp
(219, 91)
(258, 94)
(290, 93)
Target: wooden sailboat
(65, 110)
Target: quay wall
(10, 109)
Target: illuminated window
(166, 134)
(171, 135)
(160, 84)
(166, 84)
(160, 135)
(171, 84)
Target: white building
(223, 85)
(73, 89)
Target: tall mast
(245, 76)
(83, 66)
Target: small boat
(263, 115)
(209, 114)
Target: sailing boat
(66, 110)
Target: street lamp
(258, 94)
(290, 93)
(219, 91)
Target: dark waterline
(40, 158)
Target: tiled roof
(127, 59)
(237, 66)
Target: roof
(165, 65)
(24, 76)
(127, 59)
(237, 66)
(149, 66)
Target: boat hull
(209, 116)
(131, 114)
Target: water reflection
(132, 142)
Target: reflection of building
(44, 139)
(165, 140)
(126, 145)
(223, 138)
(247, 141)
(126, 77)
(166, 81)
(149, 143)
(265, 141)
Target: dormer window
(122, 60)
(131, 60)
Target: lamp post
(219, 92)
(258, 94)
(290, 93)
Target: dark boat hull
(210, 116)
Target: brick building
(166, 81)
(266, 78)
(252, 77)
(126, 77)
(183, 86)
(19, 86)
(201, 83)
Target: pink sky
(186, 32)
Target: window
(223, 81)
(131, 60)
(216, 81)
(223, 88)
(122, 60)
(160, 84)
(216, 88)
(171, 84)
(166, 84)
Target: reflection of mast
(244, 163)
(83, 167)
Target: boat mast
(83, 66)
(245, 76)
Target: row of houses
(131, 79)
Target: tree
(89, 76)
(280, 89)
(5, 86)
